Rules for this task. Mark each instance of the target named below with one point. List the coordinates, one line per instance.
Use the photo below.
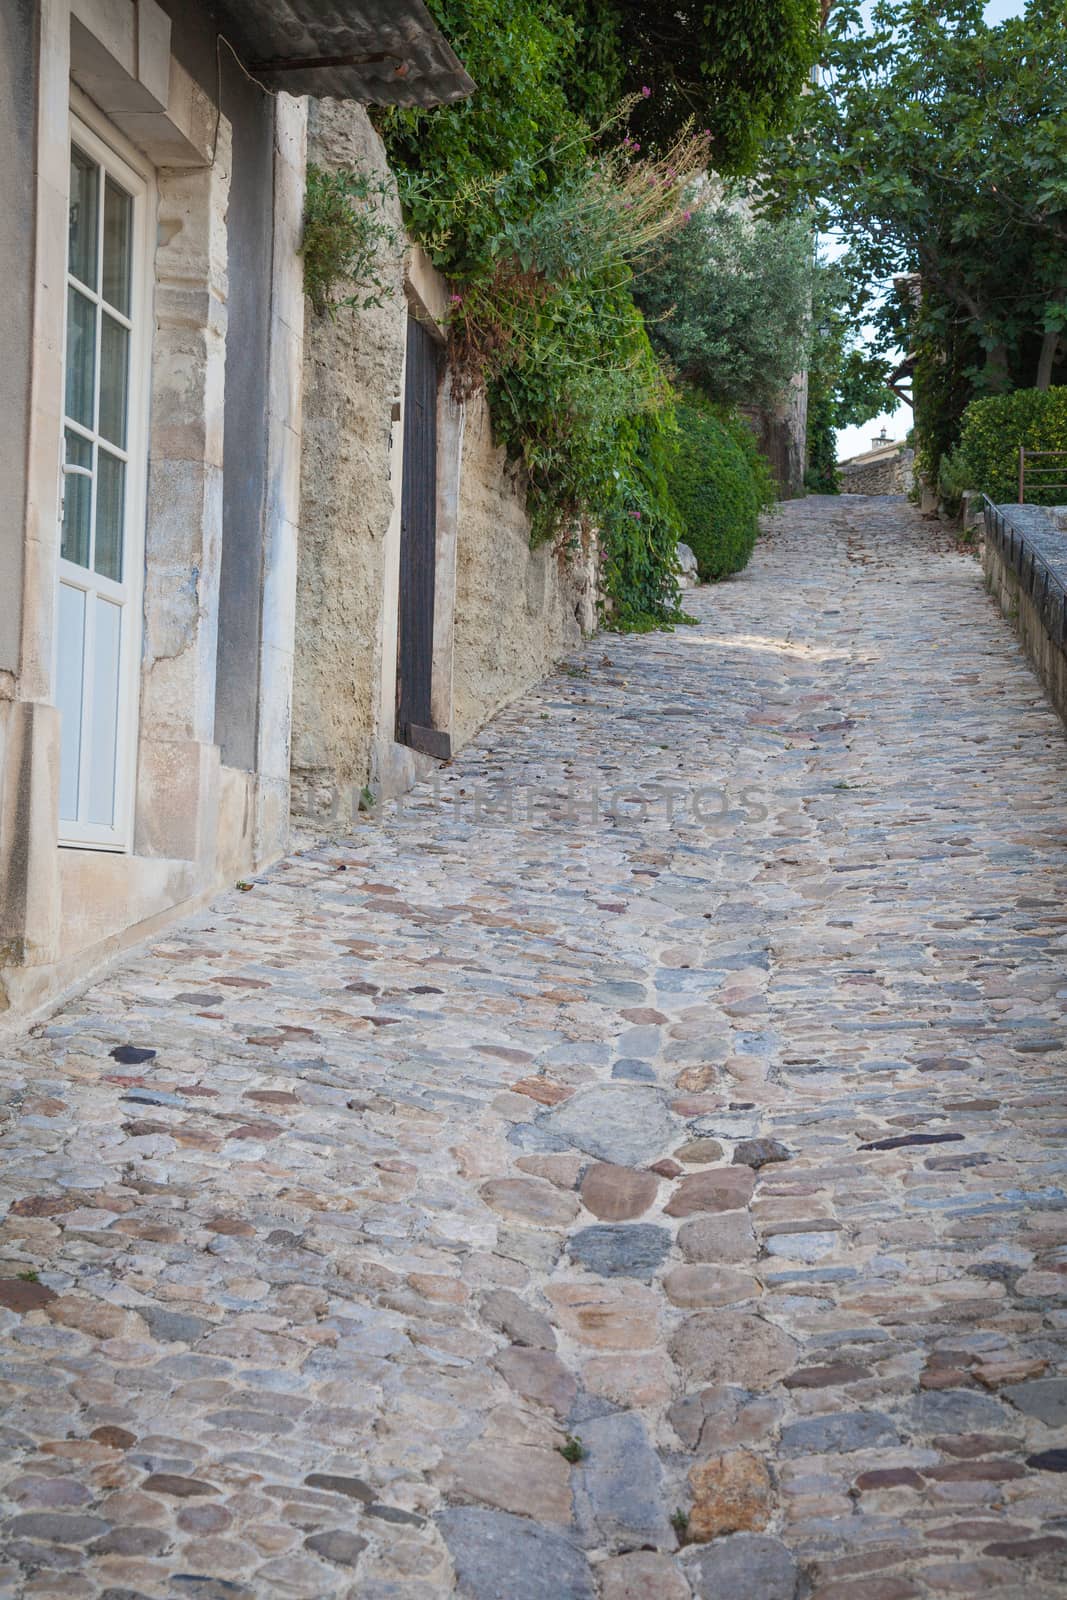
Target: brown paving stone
(522, 1479)
(828, 1377)
(731, 1494)
(529, 1200)
(616, 1194)
(543, 1090)
(642, 1575)
(607, 1317)
(703, 1285)
(21, 1295)
(539, 1376)
(717, 1189)
(732, 1347)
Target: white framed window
(102, 500)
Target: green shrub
(995, 427)
(640, 528)
(763, 480)
(716, 492)
(953, 479)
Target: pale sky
(851, 441)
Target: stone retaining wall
(1025, 562)
(892, 474)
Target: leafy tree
(846, 381)
(987, 457)
(937, 144)
(734, 66)
(727, 302)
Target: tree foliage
(474, 167)
(728, 302)
(846, 381)
(935, 144)
(734, 67)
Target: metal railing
(1036, 472)
(1044, 585)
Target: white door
(101, 548)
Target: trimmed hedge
(987, 457)
(719, 483)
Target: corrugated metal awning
(380, 52)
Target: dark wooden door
(418, 544)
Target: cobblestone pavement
(634, 1207)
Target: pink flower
(645, 90)
(687, 216)
(457, 299)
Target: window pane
(81, 357)
(77, 501)
(105, 716)
(110, 514)
(114, 377)
(118, 223)
(71, 657)
(84, 179)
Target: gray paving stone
(957, 1411)
(629, 1125)
(620, 1250)
(838, 1434)
(742, 1566)
(1044, 1398)
(498, 1556)
(618, 1498)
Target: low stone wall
(1024, 557)
(893, 475)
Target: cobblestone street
(656, 1193)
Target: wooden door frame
(416, 591)
(427, 296)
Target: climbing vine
(545, 203)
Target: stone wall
(353, 373)
(1024, 557)
(890, 474)
(503, 612)
(517, 610)
(18, 108)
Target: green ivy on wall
(541, 200)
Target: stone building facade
(151, 209)
(166, 405)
